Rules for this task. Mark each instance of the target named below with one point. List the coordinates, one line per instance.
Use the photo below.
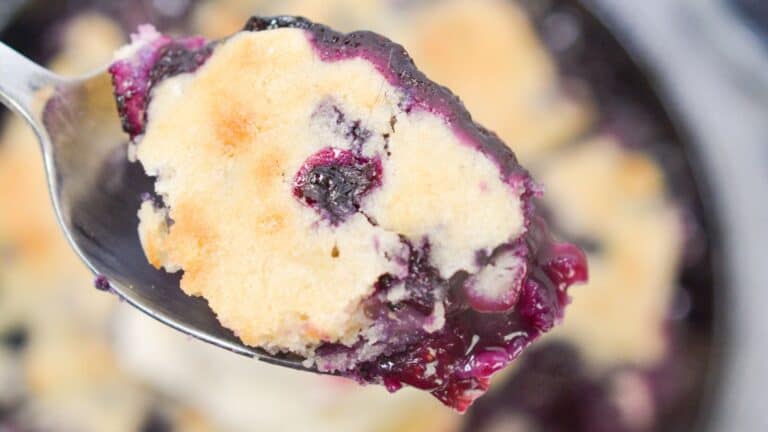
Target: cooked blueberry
(335, 181)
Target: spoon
(96, 194)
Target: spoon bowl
(96, 194)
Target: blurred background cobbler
(632, 354)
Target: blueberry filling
(334, 182)
(456, 361)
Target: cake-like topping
(327, 199)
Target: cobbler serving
(327, 199)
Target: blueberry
(334, 182)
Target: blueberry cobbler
(328, 200)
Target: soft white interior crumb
(495, 281)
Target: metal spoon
(96, 194)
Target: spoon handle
(20, 81)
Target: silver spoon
(96, 194)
